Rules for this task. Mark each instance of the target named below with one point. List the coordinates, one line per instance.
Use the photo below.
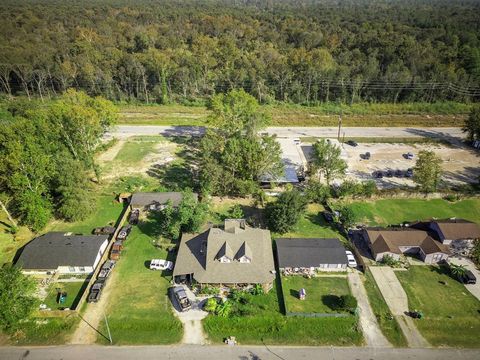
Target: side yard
(139, 310)
(388, 324)
(451, 313)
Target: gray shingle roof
(303, 252)
(198, 255)
(54, 249)
(142, 199)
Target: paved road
(368, 322)
(123, 131)
(224, 352)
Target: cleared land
(418, 114)
(451, 313)
(322, 293)
(139, 311)
(396, 211)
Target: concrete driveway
(473, 288)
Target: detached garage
(304, 256)
(63, 252)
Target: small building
(397, 241)
(308, 255)
(154, 201)
(455, 231)
(235, 256)
(64, 253)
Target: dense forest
(296, 51)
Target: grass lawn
(139, 311)
(265, 324)
(388, 324)
(45, 331)
(452, 314)
(312, 224)
(322, 293)
(361, 114)
(395, 211)
(74, 292)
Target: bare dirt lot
(461, 164)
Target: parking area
(461, 164)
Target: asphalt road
(124, 131)
(224, 352)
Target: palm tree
(458, 270)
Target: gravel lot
(461, 164)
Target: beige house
(236, 255)
(398, 241)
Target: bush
(208, 290)
(210, 305)
(354, 188)
(389, 261)
(316, 192)
(348, 302)
(347, 217)
(236, 212)
(257, 290)
(283, 214)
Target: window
(71, 269)
(81, 269)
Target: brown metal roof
(458, 229)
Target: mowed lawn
(139, 310)
(74, 292)
(395, 211)
(388, 324)
(266, 324)
(322, 293)
(452, 314)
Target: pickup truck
(106, 269)
(95, 291)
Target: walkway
(368, 321)
(397, 301)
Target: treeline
(295, 51)
(47, 157)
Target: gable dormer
(225, 254)
(244, 254)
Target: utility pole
(108, 328)
(339, 126)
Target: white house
(63, 252)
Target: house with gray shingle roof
(62, 252)
(235, 255)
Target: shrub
(210, 305)
(257, 290)
(389, 260)
(283, 214)
(208, 290)
(348, 302)
(316, 192)
(236, 212)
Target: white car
(160, 264)
(351, 259)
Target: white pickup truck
(160, 264)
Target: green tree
(316, 192)
(327, 160)
(347, 217)
(17, 299)
(475, 252)
(236, 212)
(283, 214)
(458, 270)
(210, 305)
(472, 124)
(348, 302)
(427, 171)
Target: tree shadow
(332, 301)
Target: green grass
(395, 211)
(74, 291)
(362, 114)
(322, 293)
(451, 313)
(267, 325)
(45, 331)
(135, 149)
(388, 324)
(139, 310)
(313, 225)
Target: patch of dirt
(111, 153)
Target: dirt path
(368, 321)
(87, 330)
(397, 301)
(111, 153)
(192, 320)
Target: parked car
(181, 297)
(133, 217)
(106, 269)
(351, 259)
(409, 173)
(398, 173)
(115, 254)
(408, 156)
(352, 143)
(378, 174)
(160, 264)
(328, 216)
(124, 232)
(96, 291)
(105, 230)
(389, 173)
(469, 278)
